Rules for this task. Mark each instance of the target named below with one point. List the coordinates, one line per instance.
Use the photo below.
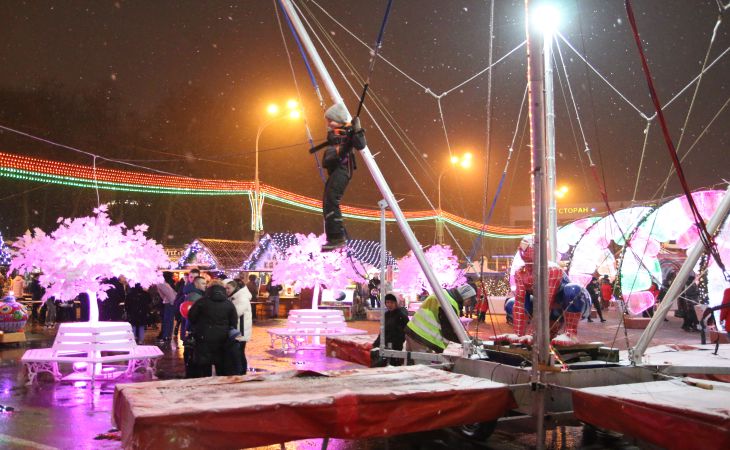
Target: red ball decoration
(185, 308)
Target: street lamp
(275, 113)
(464, 162)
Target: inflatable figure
(568, 305)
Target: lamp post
(292, 112)
(463, 161)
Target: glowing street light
(291, 112)
(463, 161)
(561, 192)
(546, 18)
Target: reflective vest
(425, 323)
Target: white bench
(95, 344)
(304, 325)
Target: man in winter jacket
(211, 317)
(396, 319)
(241, 299)
(429, 329)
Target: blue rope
(478, 240)
(311, 78)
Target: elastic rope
(296, 83)
(605, 80)
(707, 239)
(374, 58)
(641, 160)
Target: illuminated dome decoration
(271, 247)
(673, 222)
(220, 254)
(592, 253)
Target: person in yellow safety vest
(430, 329)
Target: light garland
(4, 252)
(365, 251)
(75, 175)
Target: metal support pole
(540, 355)
(383, 262)
(678, 284)
(439, 217)
(377, 175)
(550, 147)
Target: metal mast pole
(550, 146)
(377, 175)
(383, 262)
(540, 355)
(679, 281)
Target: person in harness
(339, 160)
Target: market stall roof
(220, 254)
(367, 252)
(670, 414)
(256, 410)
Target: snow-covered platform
(683, 359)
(355, 349)
(254, 410)
(676, 414)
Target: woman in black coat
(211, 318)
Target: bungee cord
(683, 129)
(707, 239)
(296, 83)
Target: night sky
(191, 80)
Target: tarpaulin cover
(689, 359)
(252, 410)
(351, 348)
(670, 414)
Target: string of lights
(82, 176)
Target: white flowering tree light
(411, 279)
(81, 253)
(306, 266)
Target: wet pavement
(77, 416)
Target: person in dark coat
(138, 307)
(690, 297)
(396, 319)
(111, 309)
(212, 317)
(594, 290)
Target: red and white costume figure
(524, 282)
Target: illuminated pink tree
(412, 280)
(306, 266)
(82, 252)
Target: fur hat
(337, 113)
(466, 291)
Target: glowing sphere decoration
(638, 302)
(13, 315)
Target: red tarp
(236, 412)
(670, 414)
(351, 348)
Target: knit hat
(466, 291)
(337, 113)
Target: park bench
(94, 344)
(305, 326)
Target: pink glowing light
(638, 302)
(412, 280)
(306, 266)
